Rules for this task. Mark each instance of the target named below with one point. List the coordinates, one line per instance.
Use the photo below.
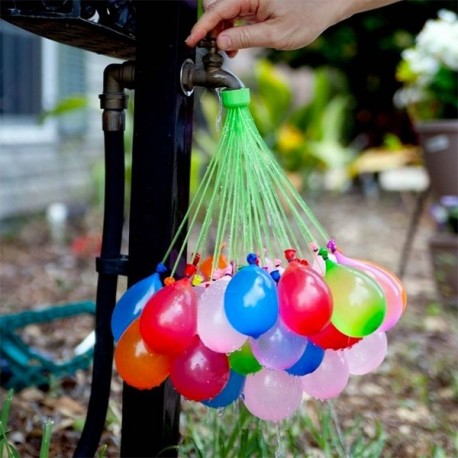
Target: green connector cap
(233, 98)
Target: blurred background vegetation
(365, 51)
(350, 108)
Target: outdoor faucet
(210, 74)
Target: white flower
(435, 50)
(423, 65)
(439, 39)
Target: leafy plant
(429, 70)
(308, 140)
(365, 49)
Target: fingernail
(224, 42)
(187, 39)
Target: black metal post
(159, 196)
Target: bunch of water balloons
(267, 308)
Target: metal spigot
(210, 74)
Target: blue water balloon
(230, 393)
(309, 361)
(251, 302)
(132, 302)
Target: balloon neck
(340, 257)
(323, 253)
(196, 259)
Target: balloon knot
(275, 274)
(190, 270)
(160, 268)
(169, 281)
(332, 245)
(252, 258)
(290, 254)
(197, 280)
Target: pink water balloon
(272, 395)
(330, 379)
(213, 327)
(367, 355)
(279, 347)
(396, 280)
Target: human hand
(277, 24)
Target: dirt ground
(413, 394)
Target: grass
(235, 433)
(7, 449)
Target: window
(20, 70)
(35, 73)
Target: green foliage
(307, 139)
(428, 71)
(7, 449)
(46, 439)
(366, 49)
(65, 106)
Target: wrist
(352, 7)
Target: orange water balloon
(205, 267)
(136, 365)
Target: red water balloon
(330, 338)
(199, 373)
(305, 300)
(169, 320)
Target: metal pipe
(110, 263)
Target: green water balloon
(359, 302)
(243, 361)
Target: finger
(217, 12)
(247, 36)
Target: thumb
(245, 36)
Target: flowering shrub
(429, 71)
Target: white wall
(39, 167)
